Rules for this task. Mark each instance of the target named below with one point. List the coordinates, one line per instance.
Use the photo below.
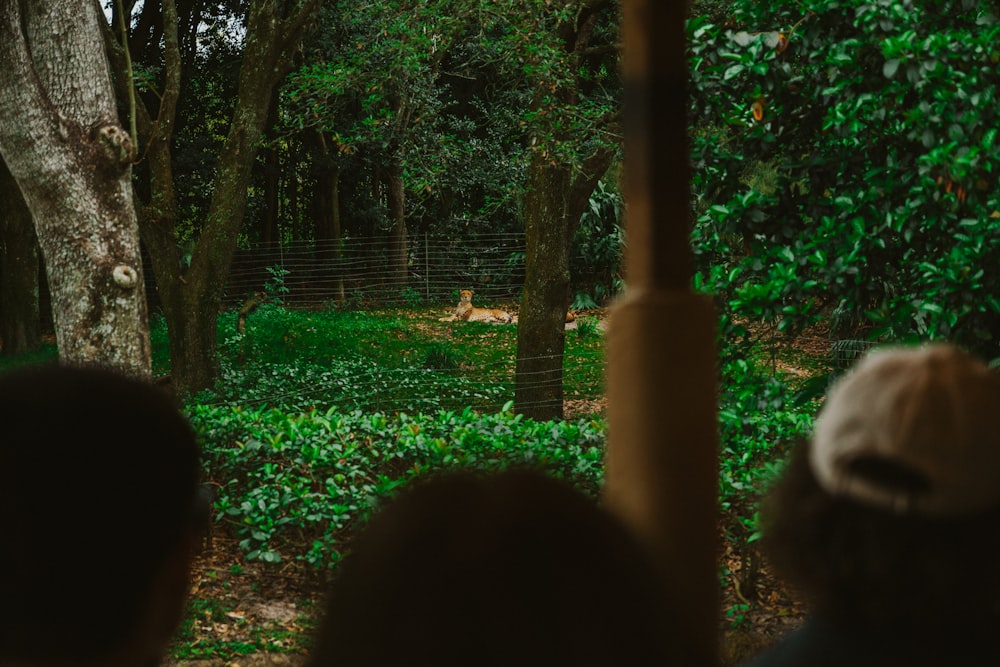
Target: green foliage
(583, 301)
(586, 327)
(411, 83)
(460, 95)
(410, 297)
(392, 360)
(759, 419)
(737, 615)
(295, 486)
(598, 249)
(275, 287)
(441, 357)
(877, 123)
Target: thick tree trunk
(21, 328)
(72, 160)
(541, 330)
(192, 298)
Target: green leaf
(889, 67)
(733, 71)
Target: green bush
(845, 161)
(295, 486)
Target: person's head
(98, 510)
(511, 568)
(889, 518)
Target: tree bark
(398, 239)
(553, 207)
(559, 189)
(72, 161)
(272, 185)
(21, 329)
(541, 327)
(328, 224)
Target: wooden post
(662, 461)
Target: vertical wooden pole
(662, 462)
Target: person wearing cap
(101, 514)
(888, 520)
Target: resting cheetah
(467, 312)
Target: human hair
(877, 570)
(98, 486)
(511, 568)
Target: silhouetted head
(98, 490)
(514, 568)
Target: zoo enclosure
(358, 272)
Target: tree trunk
(72, 161)
(541, 327)
(553, 207)
(192, 299)
(272, 196)
(328, 229)
(21, 329)
(398, 240)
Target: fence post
(662, 459)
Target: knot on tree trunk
(114, 144)
(125, 276)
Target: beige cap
(912, 430)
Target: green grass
(47, 353)
(389, 360)
(401, 359)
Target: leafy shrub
(441, 357)
(876, 126)
(599, 246)
(586, 327)
(297, 485)
(760, 418)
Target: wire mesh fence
(363, 272)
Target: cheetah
(466, 312)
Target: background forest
(844, 162)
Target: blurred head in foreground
(99, 511)
(513, 568)
(889, 519)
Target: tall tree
(569, 56)
(191, 291)
(372, 89)
(61, 139)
